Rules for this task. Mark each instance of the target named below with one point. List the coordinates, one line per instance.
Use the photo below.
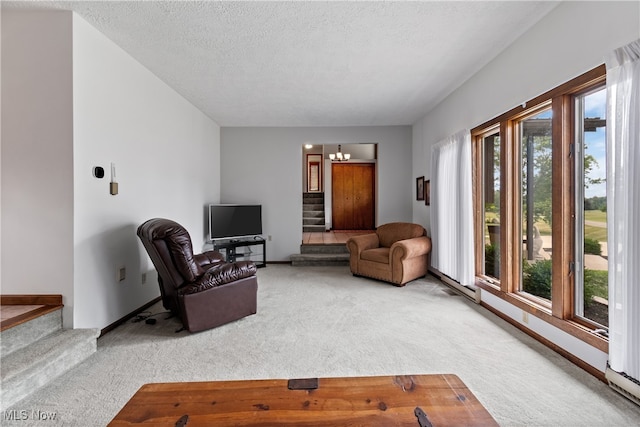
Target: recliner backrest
(171, 251)
(173, 245)
(390, 233)
(179, 244)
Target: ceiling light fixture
(339, 156)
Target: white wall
(73, 100)
(263, 165)
(37, 155)
(572, 39)
(167, 157)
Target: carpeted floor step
(306, 260)
(312, 214)
(313, 221)
(324, 248)
(28, 369)
(312, 208)
(24, 334)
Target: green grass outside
(595, 215)
(597, 233)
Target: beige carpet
(321, 322)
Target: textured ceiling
(310, 63)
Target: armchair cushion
(376, 255)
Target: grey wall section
(37, 155)
(264, 165)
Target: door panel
(353, 196)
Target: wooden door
(352, 196)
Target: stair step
(313, 228)
(305, 260)
(34, 366)
(312, 214)
(312, 207)
(313, 221)
(18, 309)
(314, 196)
(322, 248)
(24, 334)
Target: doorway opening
(339, 195)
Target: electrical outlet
(121, 274)
(143, 278)
(525, 317)
(269, 237)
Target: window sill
(571, 327)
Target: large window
(541, 207)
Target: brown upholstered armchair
(202, 289)
(397, 252)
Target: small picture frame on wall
(420, 188)
(427, 192)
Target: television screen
(227, 221)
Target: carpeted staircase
(313, 212)
(313, 220)
(35, 352)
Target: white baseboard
(473, 293)
(624, 385)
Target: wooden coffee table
(403, 400)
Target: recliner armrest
(208, 259)
(219, 275)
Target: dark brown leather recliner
(203, 290)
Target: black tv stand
(244, 249)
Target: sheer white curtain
(623, 207)
(452, 208)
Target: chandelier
(339, 156)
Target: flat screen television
(231, 221)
